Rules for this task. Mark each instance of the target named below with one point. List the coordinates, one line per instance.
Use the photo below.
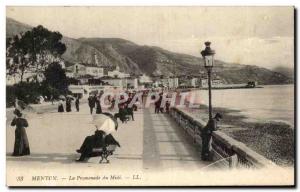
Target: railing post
(195, 132)
(233, 161)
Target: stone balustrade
(226, 150)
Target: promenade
(153, 142)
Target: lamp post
(208, 56)
(206, 132)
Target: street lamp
(208, 56)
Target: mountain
(136, 59)
(14, 27)
(289, 72)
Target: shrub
(27, 92)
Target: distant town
(93, 76)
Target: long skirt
(98, 110)
(68, 108)
(21, 146)
(60, 108)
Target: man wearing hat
(206, 134)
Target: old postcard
(150, 96)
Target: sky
(262, 36)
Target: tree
(33, 51)
(55, 77)
(44, 47)
(17, 61)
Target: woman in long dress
(60, 106)
(98, 106)
(68, 105)
(21, 146)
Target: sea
(270, 103)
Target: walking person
(60, 106)
(122, 113)
(98, 106)
(113, 101)
(21, 146)
(52, 99)
(91, 101)
(158, 104)
(161, 108)
(206, 134)
(77, 103)
(129, 107)
(167, 107)
(68, 104)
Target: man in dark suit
(92, 102)
(206, 134)
(77, 104)
(158, 104)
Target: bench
(104, 152)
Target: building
(117, 73)
(80, 69)
(30, 74)
(84, 91)
(171, 82)
(123, 83)
(145, 79)
(195, 82)
(69, 73)
(84, 79)
(214, 82)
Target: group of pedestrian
(95, 102)
(126, 108)
(159, 108)
(68, 104)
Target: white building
(144, 79)
(117, 73)
(173, 82)
(85, 69)
(214, 82)
(167, 82)
(85, 90)
(194, 82)
(69, 73)
(121, 82)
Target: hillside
(137, 59)
(289, 72)
(14, 27)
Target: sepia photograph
(139, 96)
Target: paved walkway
(153, 142)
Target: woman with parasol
(69, 99)
(60, 104)
(105, 125)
